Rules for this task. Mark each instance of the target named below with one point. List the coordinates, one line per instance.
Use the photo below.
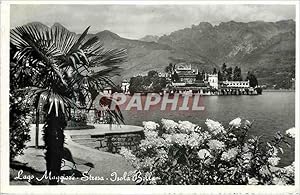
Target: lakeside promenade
(106, 165)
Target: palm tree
(61, 68)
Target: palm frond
(32, 42)
(76, 46)
(63, 39)
(89, 42)
(46, 56)
(109, 58)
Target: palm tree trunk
(54, 144)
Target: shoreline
(279, 90)
(265, 90)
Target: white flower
(247, 156)
(290, 170)
(215, 144)
(152, 142)
(252, 181)
(167, 137)
(246, 159)
(169, 125)
(204, 136)
(273, 160)
(160, 142)
(230, 154)
(214, 127)
(127, 154)
(186, 126)
(148, 162)
(265, 171)
(150, 126)
(145, 144)
(194, 140)
(278, 181)
(151, 134)
(162, 155)
(180, 139)
(203, 153)
(236, 122)
(291, 132)
(154, 180)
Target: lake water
(271, 112)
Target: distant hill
(150, 38)
(144, 56)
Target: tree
(147, 83)
(199, 77)
(220, 76)
(175, 77)
(237, 74)
(136, 84)
(252, 79)
(203, 75)
(60, 65)
(170, 68)
(159, 84)
(152, 73)
(215, 71)
(229, 74)
(240, 77)
(224, 68)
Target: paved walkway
(108, 167)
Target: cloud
(136, 21)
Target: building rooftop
(183, 66)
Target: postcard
(142, 97)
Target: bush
(184, 153)
(150, 83)
(77, 119)
(18, 125)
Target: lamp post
(37, 129)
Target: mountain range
(144, 56)
(266, 48)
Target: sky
(136, 21)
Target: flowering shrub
(150, 126)
(184, 153)
(18, 125)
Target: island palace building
(209, 84)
